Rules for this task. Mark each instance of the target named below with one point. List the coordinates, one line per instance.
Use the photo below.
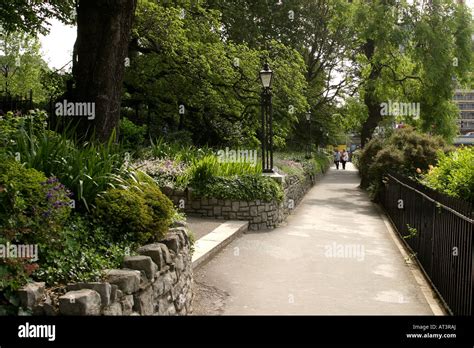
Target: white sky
(57, 46)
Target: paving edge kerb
(216, 240)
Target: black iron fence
(439, 230)
(16, 103)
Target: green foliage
(318, 31)
(12, 124)
(162, 209)
(85, 168)
(185, 64)
(33, 211)
(86, 250)
(297, 164)
(131, 135)
(125, 214)
(33, 16)
(290, 167)
(407, 54)
(356, 157)
(405, 152)
(208, 167)
(165, 172)
(454, 174)
(14, 273)
(19, 47)
(412, 232)
(243, 188)
(32, 207)
(139, 212)
(168, 150)
(54, 83)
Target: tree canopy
(192, 65)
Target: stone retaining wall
(261, 215)
(158, 281)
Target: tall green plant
(86, 169)
(208, 167)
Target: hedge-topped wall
(261, 215)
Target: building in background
(465, 101)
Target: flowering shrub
(33, 211)
(58, 199)
(295, 164)
(33, 208)
(403, 151)
(165, 172)
(290, 167)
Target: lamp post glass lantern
(266, 78)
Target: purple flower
(52, 180)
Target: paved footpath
(334, 256)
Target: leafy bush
(162, 208)
(87, 250)
(138, 213)
(356, 158)
(33, 211)
(405, 151)
(33, 208)
(14, 273)
(244, 188)
(132, 136)
(125, 214)
(454, 174)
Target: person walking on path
(337, 158)
(344, 159)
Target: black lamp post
(308, 118)
(266, 77)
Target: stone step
(210, 244)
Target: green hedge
(135, 211)
(242, 188)
(454, 174)
(405, 151)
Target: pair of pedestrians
(341, 157)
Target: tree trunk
(373, 118)
(370, 100)
(103, 34)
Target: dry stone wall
(261, 215)
(158, 281)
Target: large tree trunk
(370, 100)
(103, 34)
(373, 118)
